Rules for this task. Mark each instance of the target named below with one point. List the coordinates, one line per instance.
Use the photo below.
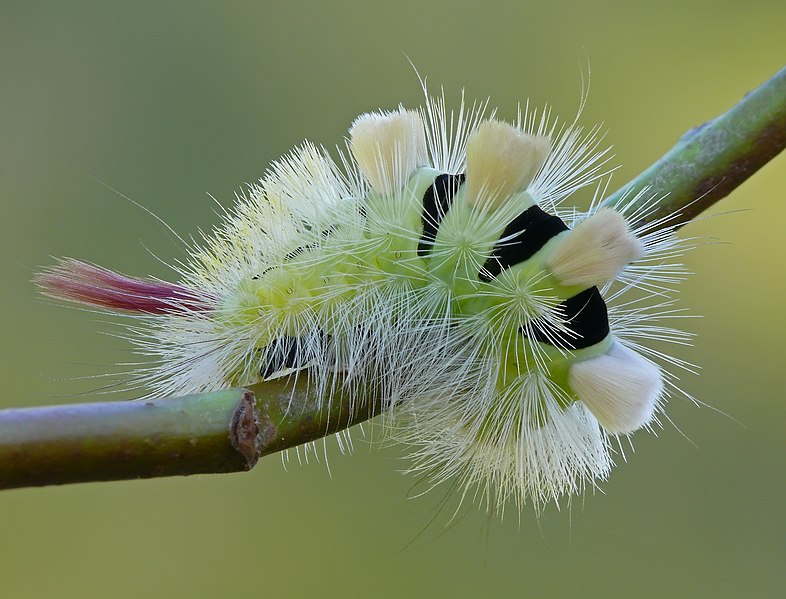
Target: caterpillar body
(437, 269)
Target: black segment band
(586, 321)
(522, 238)
(436, 203)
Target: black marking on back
(586, 320)
(436, 203)
(521, 240)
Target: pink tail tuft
(77, 281)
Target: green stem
(210, 432)
(713, 159)
(223, 431)
(227, 431)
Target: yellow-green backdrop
(168, 102)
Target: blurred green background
(169, 101)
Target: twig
(712, 160)
(223, 431)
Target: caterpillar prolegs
(436, 268)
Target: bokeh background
(167, 102)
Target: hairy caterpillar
(437, 268)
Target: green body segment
(309, 287)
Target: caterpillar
(433, 265)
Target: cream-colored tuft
(620, 388)
(595, 251)
(388, 147)
(502, 160)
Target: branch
(223, 431)
(211, 432)
(228, 431)
(712, 160)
